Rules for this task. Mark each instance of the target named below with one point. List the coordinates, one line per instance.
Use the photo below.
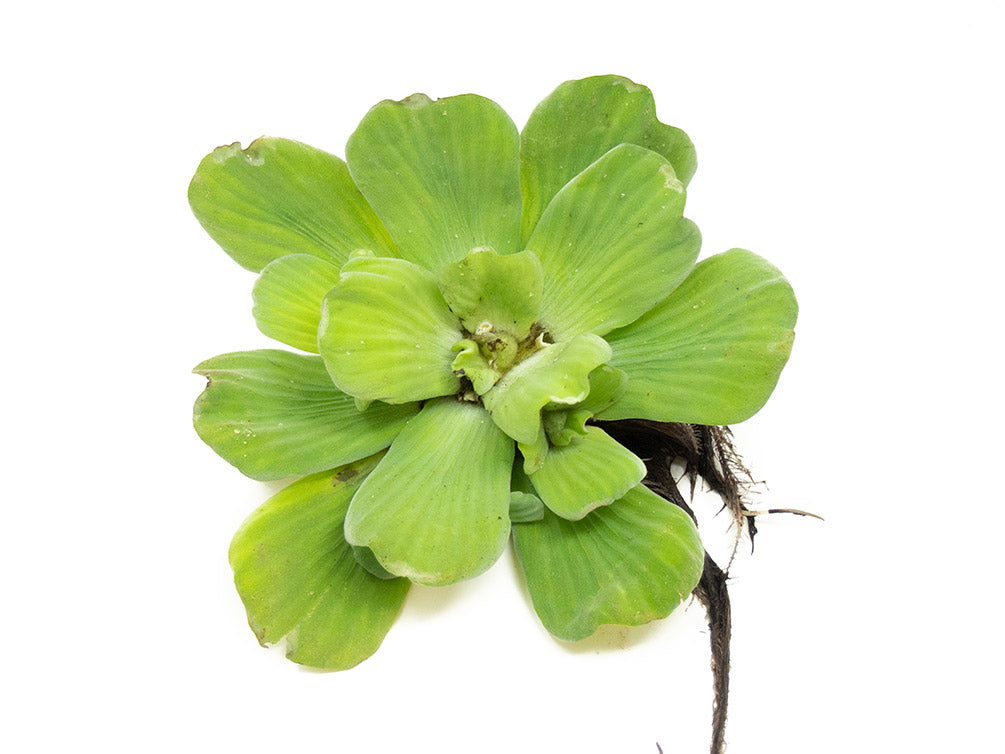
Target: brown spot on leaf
(344, 475)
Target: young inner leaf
(502, 291)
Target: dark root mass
(706, 453)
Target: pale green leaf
(470, 363)
(436, 510)
(613, 243)
(280, 197)
(625, 564)
(524, 507)
(365, 557)
(288, 297)
(562, 426)
(443, 175)
(581, 121)
(386, 333)
(273, 413)
(607, 384)
(298, 578)
(557, 374)
(711, 353)
(534, 453)
(503, 291)
(524, 504)
(591, 471)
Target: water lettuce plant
(471, 303)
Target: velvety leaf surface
(442, 174)
(436, 509)
(470, 363)
(288, 297)
(487, 287)
(607, 384)
(273, 413)
(610, 245)
(591, 471)
(524, 507)
(280, 197)
(581, 121)
(711, 353)
(298, 578)
(626, 564)
(534, 453)
(556, 374)
(386, 332)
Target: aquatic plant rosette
(468, 301)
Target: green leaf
(534, 453)
(273, 413)
(612, 243)
(504, 291)
(711, 353)
(524, 504)
(298, 578)
(288, 297)
(581, 121)
(470, 363)
(524, 507)
(607, 384)
(443, 175)
(280, 197)
(625, 564)
(591, 471)
(557, 374)
(436, 510)
(386, 332)
(562, 426)
(365, 558)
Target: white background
(859, 146)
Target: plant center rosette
(471, 299)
